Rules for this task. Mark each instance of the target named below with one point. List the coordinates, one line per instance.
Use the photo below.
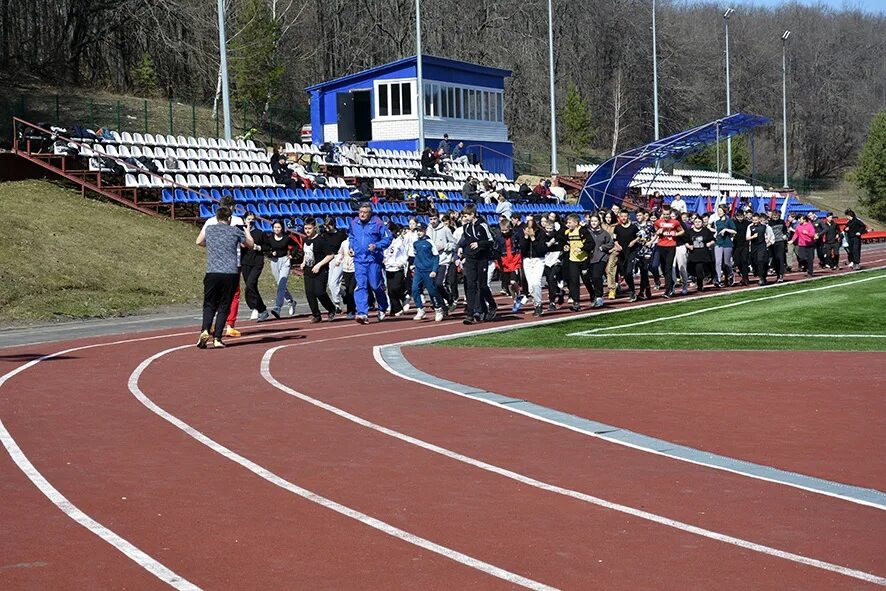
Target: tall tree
(870, 176)
(576, 116)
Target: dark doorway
(354, 116)
(362, 116)
(344, 105)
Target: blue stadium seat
(290, 195)
(239, 195)
(284, 208)
(260, 194)
(273, 209)
(205, 212)
(262, 209)
(216, 194)
(300, 194)
(249, 195)
(166, 196)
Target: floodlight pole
(551, 76)
(654, 72)
(726, 16)
(784, 101)
(419, 78)
(223, 55)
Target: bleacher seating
(697, 187)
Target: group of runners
(382, 267)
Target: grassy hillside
(67, 257)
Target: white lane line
(734, 334)
(129, 550)
(725, 306)
(67, 507)
(378, 354)
(527, 480)
(379, 358)
(304, 493)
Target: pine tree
(576, 116)
(144, 76)
(256, 73)
(870, 176)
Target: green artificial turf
(848, 309)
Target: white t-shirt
(679, 205)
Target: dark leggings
(251, 273)
(576, 274)
(396, 290)
(350, 284)
(598, 269)
(626, 268)
(315, 291)
(218, 290)
(552, 274)
(666, 256)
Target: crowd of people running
(381, 266)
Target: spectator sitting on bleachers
(457, 155)
(542, 190)
(525, 192)
(469, 190)
(488, 194)
(428, 163)
(503, 208)
(443, 148)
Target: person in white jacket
(396, 264)
(444, 241)
(345, 261)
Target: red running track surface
(222, 527)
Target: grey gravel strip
(393, 356)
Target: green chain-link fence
(280, 123)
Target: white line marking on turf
(527, 480)
(379, 358)
(304, 493)
(724, 306)
(733, 334)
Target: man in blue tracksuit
(368, 237)
(427, 261)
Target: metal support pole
(728, 103)
(654, 71)
(419, 79)
(554, 170)
(784, 102)
(223, 55)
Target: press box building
(377, 107)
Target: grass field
(784, 317)
(67, 257)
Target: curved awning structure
(610, 181)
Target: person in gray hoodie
(599, 256)
(441, 237)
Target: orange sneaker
(230, 331)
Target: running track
(292, 460)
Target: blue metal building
(378, 107)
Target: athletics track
(294, 459)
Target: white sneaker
(381, 315)
(438, 315)
(292, 308)
(406, 306)
(254, 315)
(419, 314)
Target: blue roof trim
(610, 181)
(411, 60)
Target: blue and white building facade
(378, 107)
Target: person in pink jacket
(805, 238)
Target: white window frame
(387, 83)
(470, 103)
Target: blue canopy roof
(610, 181)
